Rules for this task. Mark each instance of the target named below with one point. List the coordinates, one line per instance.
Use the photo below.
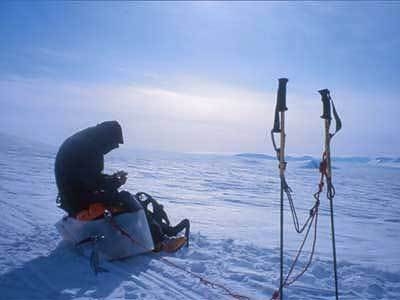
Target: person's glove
(121, 176)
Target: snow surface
(233, 204)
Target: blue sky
(202, 76)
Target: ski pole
(326, 115)
(279, 127)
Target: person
(159, 223)
(78, 170)
(79, 165)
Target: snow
(233, 204)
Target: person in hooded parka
(78, 170)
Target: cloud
(194, 115)
(197, 117)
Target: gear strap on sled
(159, 222)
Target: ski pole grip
(325, 98)
(281, 99)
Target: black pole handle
(281, 99)
(326, 98)
(280, 103)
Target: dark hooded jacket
(79, 165)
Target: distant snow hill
(270, 157)
(256, 156)
(313, 162)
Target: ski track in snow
(233, 204)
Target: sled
(114, 237)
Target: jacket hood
(109, 135)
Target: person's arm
(91, 177)
(88, 174)
(109, 182)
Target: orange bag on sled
(95, 211)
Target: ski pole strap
(280, 103)
(326, 113)
(337, 119)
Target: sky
(202, 76)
